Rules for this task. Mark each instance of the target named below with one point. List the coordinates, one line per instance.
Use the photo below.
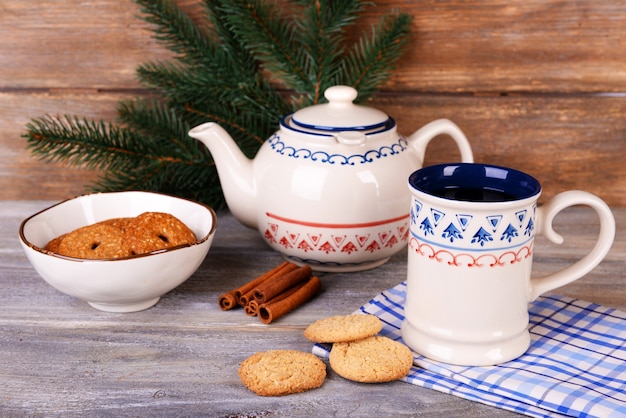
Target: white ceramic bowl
(121, 285)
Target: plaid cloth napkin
(575, 366)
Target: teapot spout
(234, 170)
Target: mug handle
(546, 214)
(420, 139)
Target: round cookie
(153, 231)
(343, 328)
(282, 372)
(120, 223)
(374, 359)
(95, 242)
(53, 245)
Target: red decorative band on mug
(464, 259)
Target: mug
(472, 230)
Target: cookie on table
(343, 328)
(282, 372)
(371, 360)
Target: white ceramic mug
(470, 253)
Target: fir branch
(228, 72)
(175, 30)
(262, 29)
(127, 159)
(227, 101)
(256, 92)
(371, 60)
(225, 85)
(163, 131)
(189, 181)
(181, 84)
(322, 31)
(81, 142)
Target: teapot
(329, 188)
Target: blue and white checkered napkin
(576, 364)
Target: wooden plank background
(539, 85)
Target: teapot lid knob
(340, 95)
(339, 114)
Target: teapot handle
(420, 139)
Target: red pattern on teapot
(330, 243)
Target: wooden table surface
(60, 357)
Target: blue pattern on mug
(465, 231)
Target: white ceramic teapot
(329, 189)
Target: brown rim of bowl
(163, 250)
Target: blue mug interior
(474, 182)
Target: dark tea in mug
(473, 194)
(467, 182)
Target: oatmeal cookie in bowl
(124, 282)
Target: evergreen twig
(230, 69)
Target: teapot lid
(339, 114)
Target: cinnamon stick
(245, 298)
(283, 295)
(227, 300)
(268, 289)
(251, 308)
(281, 269)
(232, 298)
(273, 310)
